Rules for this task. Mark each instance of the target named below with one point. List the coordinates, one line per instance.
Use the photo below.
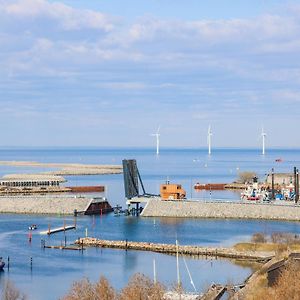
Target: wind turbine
(263, 135)
(157, 134)
(209, 134)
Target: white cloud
(69, 18)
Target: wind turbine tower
(209, 134)
(157, 135)
(263, 135)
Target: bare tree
(11, 292)
(141, 287)
(103, 290)
(247, 176)
(81, 290)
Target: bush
(139, 287)
(244, 177)
(10, 292)
(259, 238)
(286, 287)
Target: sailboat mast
(177, 266)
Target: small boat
(278, 160)
(2, 264)
(32, 227)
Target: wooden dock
(65, 247)
(58, 229)
(172, 249)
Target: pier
(172, 249)
(58, 229)
(65, 248)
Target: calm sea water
(53, 271)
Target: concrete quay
(48, 204)
(224, 210)
(172, 249)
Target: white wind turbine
(157, 135)
(209, 134)
(263, 135)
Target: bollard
(29, 236)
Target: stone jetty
(233, 210)
(172, 249)
(48, 204)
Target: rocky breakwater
(47, 204)
(233, 210)
(172, 249)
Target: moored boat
(2, 264)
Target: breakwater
(172, 249)
(64, 169)
(48, 204)
(233, 210)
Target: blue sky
(108, 73)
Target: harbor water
(49, 273)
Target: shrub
(259, 238)
(10, 292)
(244, 177)
(141, 287)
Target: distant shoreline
(65, 169)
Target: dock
(191, 250)
(58, 229)
(65, 247)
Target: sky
(108, 73)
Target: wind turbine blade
(158, 129)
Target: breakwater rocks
(233, 210)
(172, 249)
(48, 204)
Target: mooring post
(126, 244)
(31, 263)
(273, 190)
(297, 186)
(8, 263)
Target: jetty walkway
(172, 249)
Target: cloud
(61, 62)
(69, 18)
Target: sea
(49, 273)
